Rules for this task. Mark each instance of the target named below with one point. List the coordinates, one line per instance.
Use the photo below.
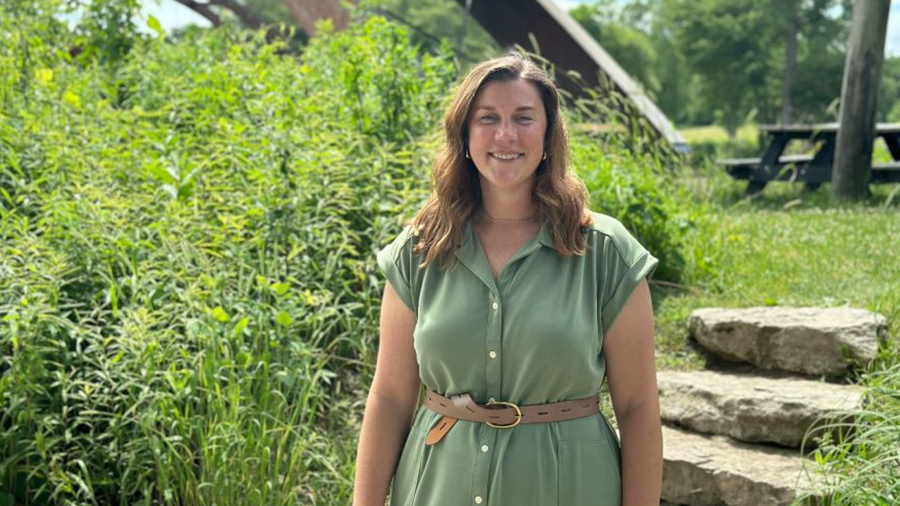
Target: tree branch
(307, 12)
(246, 16)
(203, 10)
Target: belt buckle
(518, 415)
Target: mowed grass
(749, 135)
(715, 133)
(785, 247)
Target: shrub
(187, 252)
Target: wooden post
(862, 71)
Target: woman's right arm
(391, 402)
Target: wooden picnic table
(813, 169)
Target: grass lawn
(715, 133)
(783, 247)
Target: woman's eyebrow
(521, 108)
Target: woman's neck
(512, 207)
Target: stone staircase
(731, 436)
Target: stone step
(806, 340)
(702, 470)
(750, 407)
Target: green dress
(532, 337)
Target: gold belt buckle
(518, 415)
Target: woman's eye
(524, 118)
(488, 118)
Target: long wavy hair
(559, 196)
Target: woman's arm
(390, 405)
(631, 373)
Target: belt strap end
(440, 429)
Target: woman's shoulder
(605, 225)
(403, 241)
(609, 232)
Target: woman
(511, 302)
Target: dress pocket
(589, 474)
(407, 472)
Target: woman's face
(506, 133)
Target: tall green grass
(858, 458)
(187, 254)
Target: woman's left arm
(631, 375)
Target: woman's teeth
(505, 157)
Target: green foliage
(107, 30)
(433, 21)
(724, 60)
(187, 248)
(888, 101)
(640, 192)
(856, 461)
(632, 48)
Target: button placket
(488, 435)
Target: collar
(471, 251)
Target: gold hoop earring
(467, 154)
(545, 156)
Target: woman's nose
(506, 130)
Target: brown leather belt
(499, 414)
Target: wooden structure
(813, 169)
(568, 46)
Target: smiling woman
(544, 299)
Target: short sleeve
(397, 263)
(624, 263)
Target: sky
(171, 14)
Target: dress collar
(471, 251)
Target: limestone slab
(703, 470)
(807, 340)
(750, 407)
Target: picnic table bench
(813, 169)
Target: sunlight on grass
(784, 247)
(715, 133)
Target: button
(493, 354)
(495, 306)
(484, 448)
(478, 499)
(491, 399)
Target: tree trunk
(307, 12)
(862, 70)
(790, 64)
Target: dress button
(493, 354)
(495, 306)
(478, 499)
(484, 448)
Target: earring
(467, 153)
(545, 156)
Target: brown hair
(559, 196)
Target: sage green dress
(532, 337)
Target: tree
(853, 153)
(303, 13)
(433, 20)
(630, 47)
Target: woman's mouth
(506, 157)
